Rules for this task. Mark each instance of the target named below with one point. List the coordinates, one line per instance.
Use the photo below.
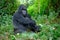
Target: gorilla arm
(21, 19)
(28, 16)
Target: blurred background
(46, 13)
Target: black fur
(23, 22)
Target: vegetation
(46, 13)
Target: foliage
(49, 22)
(38, 5)
(8, 6)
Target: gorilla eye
(23, 9)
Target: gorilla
(22, 21)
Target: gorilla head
(22, 9)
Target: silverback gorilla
(22, 21)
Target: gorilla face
(24, 12)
